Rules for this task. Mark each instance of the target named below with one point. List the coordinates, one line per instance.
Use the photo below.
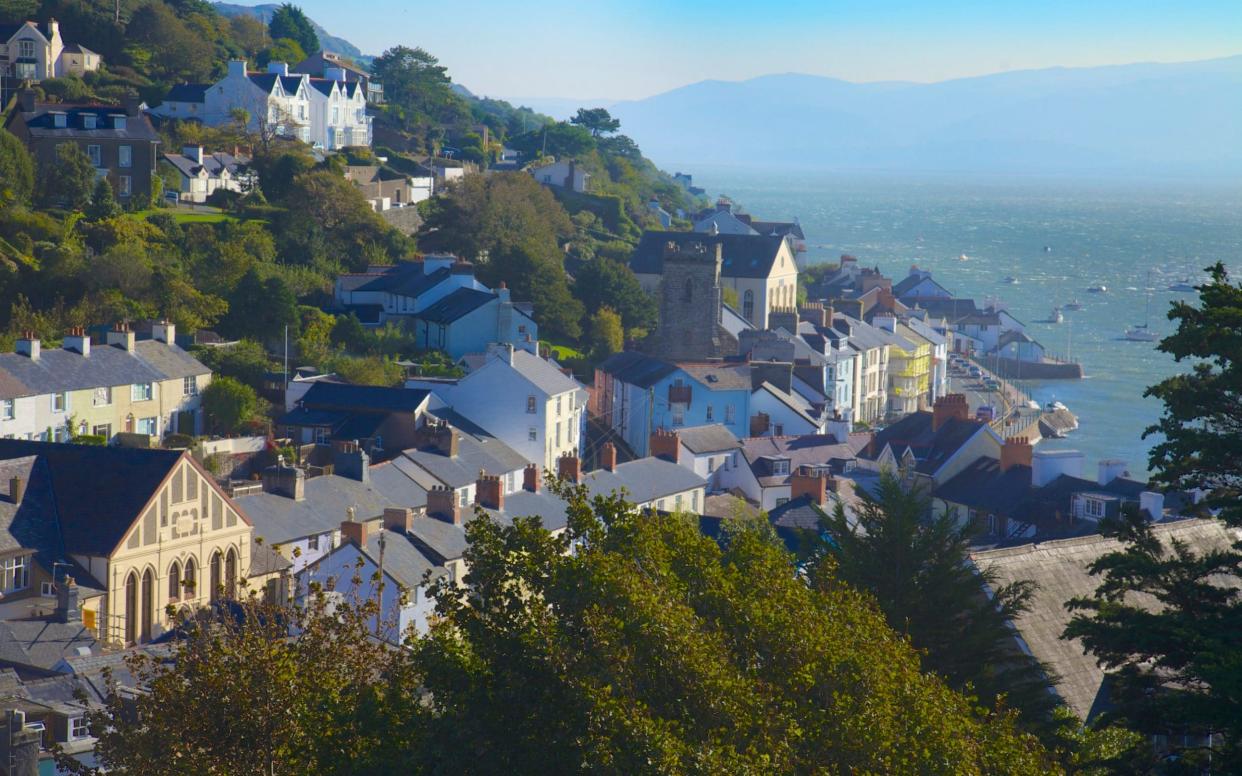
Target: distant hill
(329, 42)
(1183, 118)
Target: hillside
(1142, 118)
(264, 14)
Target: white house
(32, 52)
(709, 451)
(521, 399)
(276, 102)
(563, 174)
(338, 112)
(203, 174)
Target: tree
(491, 213)
(652, 649)
(418, 88)
(260, 308)
(1176, 669)
(604, 282)
(68, 180)
(607, 335)
(228, 405)
(915, 564)
(367, 370)
(249, 34)
(17, 171)
(288, 21)
(282, 50)
(596, 120)
(103, 204)
(314, 342)
(543, 282)
(245, 361)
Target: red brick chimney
(398, 519)
(666, 445)
(947, 408)
(1016, 451)
(805, 482)
(608, 456)
(759, 424)
(355, 532)
(569, 467)
(530, 478)
(442, 504)
(488, 493)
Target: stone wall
(404, 219)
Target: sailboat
(1142, 332)
(1073, 304)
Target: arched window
(230, 574)
(190, 581)
(148, 604)
(748, 306)
(131, 608)
(174, 581)
(687, 291)
(215, 576)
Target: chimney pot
(488, 492)
(569, 467)
(530, 478)
(608, 456)
(17, 489)
(28, 345)
(665, 445)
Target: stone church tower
(691, 305)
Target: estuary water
(1055, 238)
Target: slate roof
(796, 404)
(931, 448)
(443, 540)
(779, 228)
(77, 48)
(98, 491)
(544, 374)
(57, 370)
(264, 560)
(402, 560)
(474, 454)
(456, 305)
(548, 506)
(806, 450)
(9, 30)
(951, 310)
(407, 281)
(1060, 570)
(214, 164)
(41, 643)
(188, 93)
(362, 398)
(799, 514)
(634, 368)
(643, 480)
(743, 255)
(983, 486)
(709, 438)
(40, 122)
(719, 376)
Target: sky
(614, 50)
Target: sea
(1056, 238)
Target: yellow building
(140, 531)
(909, 371)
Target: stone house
(119, 140)
(137, 530)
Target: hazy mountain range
(1183, 118)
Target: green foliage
(543, 282)
(68, 88)
(246, 361)
(68, 180)
(607, 334)
(366, 370)
(288, 21)
(282, 50)
(314, 342)
(604, 282)
(597, 121)
(173, 48)
(260, 308)
(228, 405)
(418, 89)
(916, 565)
(17, 171)
(103, 204)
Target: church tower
(691, 305)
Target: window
(782, 501)
(558, 406)
(103, 430)
(174, 582)
(147, 426)
(140, 392)
(125, 185)
(558, 433)
(26, 49)
(992, 524)
(677, 502)
(748, 306)
(312, 543)
(47, 589)
(14, 574)
(103, 396)
(336, 115)
(118, 122)
(679, 414)
(125, 156)
(189, 386)
(7, 409)
(728, 413)
(96, 156)
(464, 499)
(694, 501)
(532, 434)
(88, 121)
(780, 466)
(711, 465)
(60, 402)
(531, 407)
(78, 728)
(1095, 508)
(709, 413)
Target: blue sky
(623, 50)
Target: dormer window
(118, 122)
(60, 120)
(780, 466)
(88, 120)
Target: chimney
(1110, 469)
(1016, 451)
(530, 478)
(278, 68)
(355, 532)
(165, 331)
(805, 482)
(20, 747)
(665, 445)
(608, 456)
(886, 322)
(778, 373)
(568, 467)
(28, 345)
(501, 350)
(77, 340)
(816, 314)
(133, 106)
(502, 291)
(350, 460)
(442, 504)
(488, 492)
(27, 100)
(193, 152)
(17, 489)
(285, 480)
(237, 68)
(948, 407)
(440, 436)
(759, 424)
(67, 601)
(462, 268)
(398, 519)
(122, 334)
(53, 29)
(783, 318)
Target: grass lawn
(560, 352)
(188, 216)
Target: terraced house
(123, 385)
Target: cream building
(138, 530)
(760, 269)
(32, 52)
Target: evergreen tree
(916, 565)
(288, 21)
(103, 204)
(607, 336)
(598, 121)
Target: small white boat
(963, 257)
(1140, 333)
(1183, 287)
(1011, 280)
(1074, 305)
(1100, 289)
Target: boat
(1141, 332)
(1011, 280)
(1056, 316)
(1183, 286)
(963, 257)
(1047, 249)
(1100, 289)
(1073, 304)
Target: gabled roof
(719, 376)
(402, 560)
(983, 486)
(363, 398)
(43, 643)
(540, 372)
(9, 30)
(188, 92)
(931, 448)
(634, 368)
(742, 255)
(643, 480)
(407, 280)
(805, 450)
(779, 228)
(795, 403)
(78, 48)
(41, 122)
(709, 438)
(475, 453)
(457, 305)
(213, 164)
